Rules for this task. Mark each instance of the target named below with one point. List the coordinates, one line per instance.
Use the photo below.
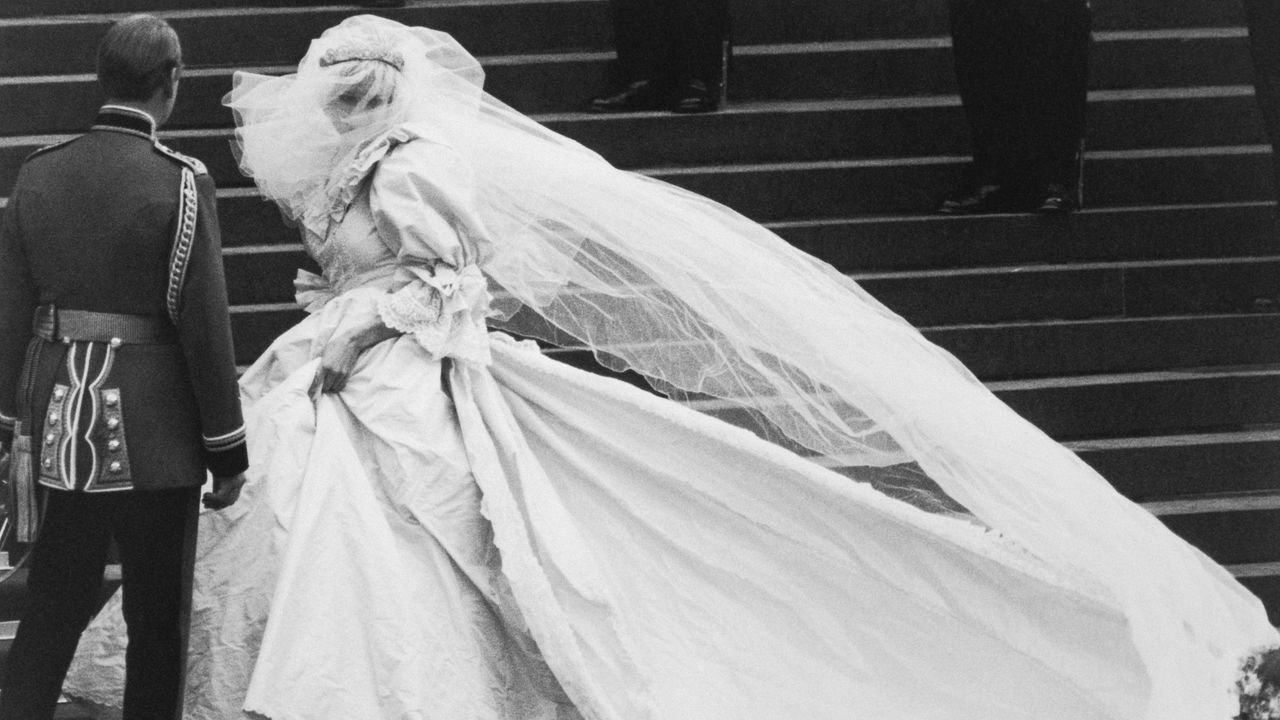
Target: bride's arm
(421, 198)
(343, 350)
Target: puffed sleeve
(204, 329)
(17, 302)
(422, 199)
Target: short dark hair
(136, 57)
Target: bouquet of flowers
(1258, 685)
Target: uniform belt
(53, 324)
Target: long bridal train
(666, 564)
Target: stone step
(1231, 537)
(995, 352)
(922, 242)
(1043, 352)
(900, 127)
(539, 83)
(1163, 464)
(1154, 469)
(226, 31)
(1171, 402)
(951, 297)
(848, 188)
(40, 8)
(1152, 403)
(232, 37)
(812, 131)
(795, 195)
(1265, 583)
(1158, 402)
(1062, 348)
(1153, 232)
(1103, 406)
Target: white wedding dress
(472, 531)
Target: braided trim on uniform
(7, 422)
(126, 131)
(51, 146)
(195, 165)
(183, 238)
(226, 441)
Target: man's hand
(226, 490)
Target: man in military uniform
(117, 379)
(1022, 68)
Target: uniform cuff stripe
(226, 441)
(7, 421)
(222, 447)
(238, 432)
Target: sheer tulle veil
(705, 303)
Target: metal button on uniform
(116, 342)
(53, 418)
(113, 445)
(115, 466)
(113, 399)
(48, 463)
(48, 439)
(113, 423)
(59, 393)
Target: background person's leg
(63, 590)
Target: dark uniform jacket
(114, 222)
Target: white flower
(1250, 684)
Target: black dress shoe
(639, 95)
(990, 199)
(695, 96)
(974, 200)
(1055, 200)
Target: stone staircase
(1143, 331)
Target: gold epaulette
(196, 166)
(51, 146)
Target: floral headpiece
(362, 51)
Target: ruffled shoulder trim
(344, 188)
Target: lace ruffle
(443, 308)
(342, 189)
(346, 185)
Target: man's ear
(171, 87)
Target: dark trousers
(1263, 17)
(155, 534)
(670, 41)
(1022, 68)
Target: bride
(442, 523)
